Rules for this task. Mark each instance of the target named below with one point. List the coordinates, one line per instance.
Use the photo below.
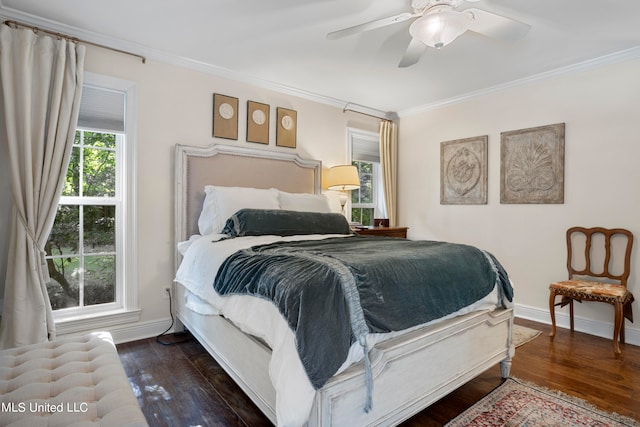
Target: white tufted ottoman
(69, 382)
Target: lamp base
(343, 201)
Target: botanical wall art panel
(463, 171)
(286, 127)
(532, 165)
(257, 122)
(225, 116)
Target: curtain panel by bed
(389, 162)
(40, 85)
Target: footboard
(412, 371)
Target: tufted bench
(75, 381)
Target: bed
(401, 373)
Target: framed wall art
(286, 127)
(532, 165)
(257, 122)
(463, 171)
(225, 116)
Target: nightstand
(382, 231)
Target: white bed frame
(410, 372)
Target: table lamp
(343, 178)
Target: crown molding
(621, 56)
(7, 13)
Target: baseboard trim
(131, 332)
(588, 326)
(143, 330)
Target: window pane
(65, 235)
(99, 139)
(72, 181)
(366, 189)
(363, 216)
(99, 229)
(99, 279)
(366, 167)
(365, 193)
(63, 288)
(367, 216)
(99, 173)
(355, 215)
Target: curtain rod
(17, 24)
(346, 108)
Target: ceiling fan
(438, 23)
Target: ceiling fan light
(440, 27)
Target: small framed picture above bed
(463, 171)
(225, 116)
(287, 126)
(257, 122)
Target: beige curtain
(389, 162)
(41, 85)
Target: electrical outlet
(166, 293)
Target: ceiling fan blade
(412, 55)
(496, 26)
(378, 23)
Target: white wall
(601, 109)
(175, 106)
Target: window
(81, 248)
(362, 200)
(92, 230)
(367, 202)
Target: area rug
(522, 335)
(516, 403)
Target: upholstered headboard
(228, 165)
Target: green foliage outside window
(362, 216)
(81, 247)
(95, 153)
(362, 200)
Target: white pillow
(222, 202)
(334, 200)
(304, 202)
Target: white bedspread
(203, 256)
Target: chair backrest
(599, 252)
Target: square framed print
(532, 165)
(257, 122)
(463, 171)
(225, 116)
(286, 127)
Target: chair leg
(571, 313)
(617, 326)
(552, 311)
(624, 308)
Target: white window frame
(374, 188)
(125, 310)
(352, 134)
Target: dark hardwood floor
(181, 385)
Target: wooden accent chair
(583, 285)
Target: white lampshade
(440, 26)
(343, 178)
